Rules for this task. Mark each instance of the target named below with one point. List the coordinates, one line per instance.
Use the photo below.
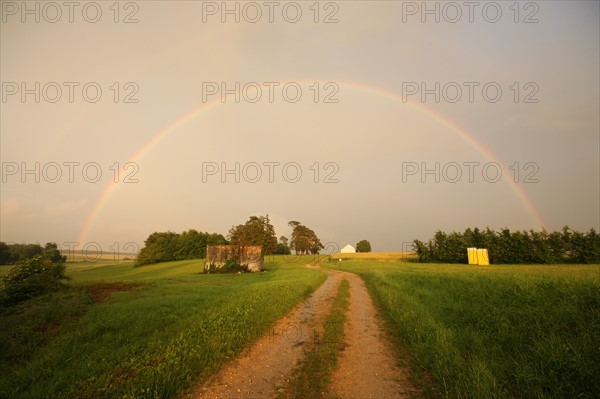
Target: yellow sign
(472, 254)
(478, 256)
(482, 257)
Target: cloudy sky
(377, 120)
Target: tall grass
(495, 332)
(155, 341)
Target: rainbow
(440, 118)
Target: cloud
(10, 208)
(63, 209)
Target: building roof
(348, 248)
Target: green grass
(493, 332)
(312, 376)
(29, 327)
(126, 271)
(152, 342)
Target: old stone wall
(250, 256)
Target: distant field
(493, 332)
(376, 256)
(91, 256)
(83, 265)
(153, 339)
(91, 260)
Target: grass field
(91, 256)
(152, 340)
(78, 262)
(474, 332)
(493, 332)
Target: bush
(282, 249)
(31, 278)
(231, 266)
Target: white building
(348, 249)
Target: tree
(11, 254)
(282, 247)
(283, 240)
(165, 247)
(304, 240)
(566, 246)
(33, 277)
(190, 245)
(424, 252)
(282, 250)
(213, 239)
(363, 246)
(258, 230)
(52, 252)
(6, 256)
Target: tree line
(257, 230)
(506, 247)
(13, 253)
(169, 246)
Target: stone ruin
(249, 256)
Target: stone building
(249, 256)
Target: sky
(376, 120)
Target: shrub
(231, 266)
(33, 277)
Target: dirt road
(367, 368)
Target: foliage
(231, 266)
(304, 240)
(258, 230)
(283, 240)
(13, 253)
(52, 252)
(506, 247)
(282, 250)
(170, 246)
(363, 246)
(282, 247)
(31, 278)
